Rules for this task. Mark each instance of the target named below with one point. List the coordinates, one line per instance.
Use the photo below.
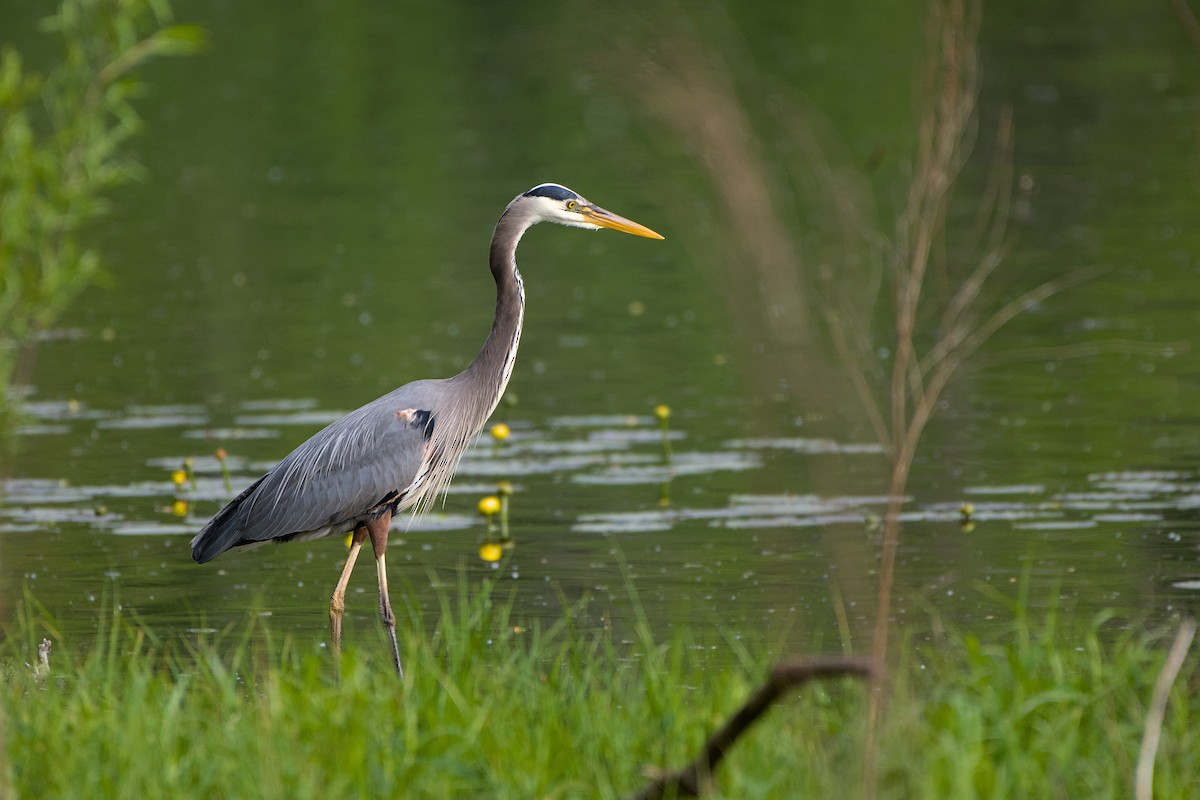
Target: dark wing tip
(222, 531)
(203, 550)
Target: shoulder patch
(418, 419)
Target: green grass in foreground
(485, 711)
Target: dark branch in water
(692, 780)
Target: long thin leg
(337, 603)
(378, 530)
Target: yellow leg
(337, 603)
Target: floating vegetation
(625, 437)
(473, 465)
(805, 445)
(505, 490)
(226, 434)
(1056, 525)
(49, 516)
(278, 404)
(626, 522)
(153, 529)
(662, 413)
(598, 454)
(204, 464)
(311, 418)
(598, 421)
(1130, 517)
(489, 507)
(680, 464)
(37, 491)
(433, 522)
(494, 509)
(167, 416)
(61, 410)
(1031, 488)
(41, 430)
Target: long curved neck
(488, 374)
(473, 394)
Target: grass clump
(1044, 711)
(491, 710)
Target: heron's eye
(571, 205)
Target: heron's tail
(222, 531)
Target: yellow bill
(606, 219)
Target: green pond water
(312, 231)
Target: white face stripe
(547, 209)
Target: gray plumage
(329, 484)
(400, 451)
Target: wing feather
(330, 482)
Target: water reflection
(739, 558)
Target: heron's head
(550, 202)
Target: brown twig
(691, 780)
(942, 306)
(949, 93)
(1158, 708)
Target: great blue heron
(400, 451)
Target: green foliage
(1056, 713)
(489, 709)
(61, 138)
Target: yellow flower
(179, 508)
(500, 431)
(221, 454)
(662, 411)
(349, 539)
(179, 477)
(489, 505)
(490, 552)
(504, 488)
